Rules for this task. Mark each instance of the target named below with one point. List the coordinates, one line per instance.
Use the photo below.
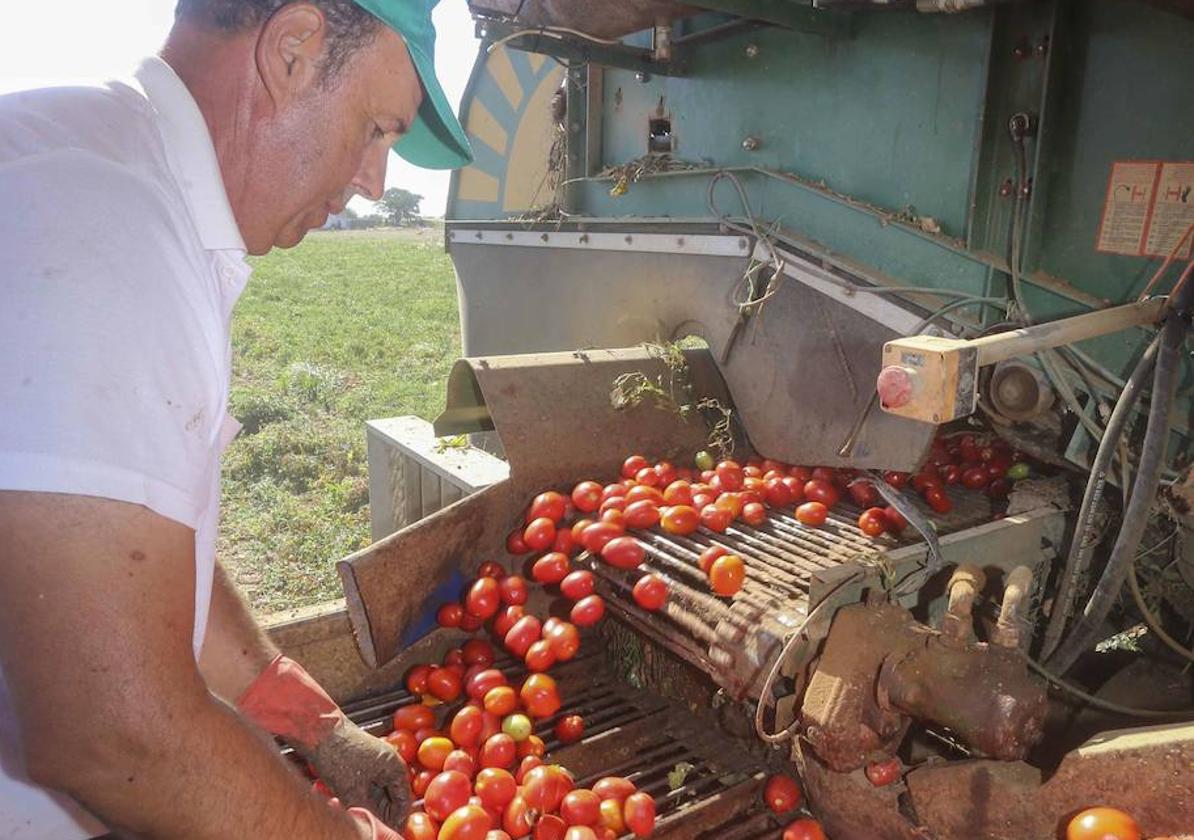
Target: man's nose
(370, 180)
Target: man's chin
(290, 237)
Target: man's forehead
(391, 80)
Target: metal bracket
(576, 50)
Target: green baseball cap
(436, 139)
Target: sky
(105, 40)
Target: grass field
(346, 327)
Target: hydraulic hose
(1144, 489)
(1082, 545)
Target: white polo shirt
(120, 261)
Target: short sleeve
(109, 375)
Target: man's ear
(290, 50)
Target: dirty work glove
(361, 771)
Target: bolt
(751, 144)
(642, 77)
(1026, 189)
(680, 242)
(1022, 50)
(543, 236)
(1006, 188)
(629, 239)
(1042, 49)
(509, 237)
(752, 50)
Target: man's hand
(363, 771)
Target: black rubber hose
(1144, 490)
(1082, 545)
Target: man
(134, 684)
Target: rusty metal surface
(851, 808)
(603, 20)
(880, 669)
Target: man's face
(326, 143)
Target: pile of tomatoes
(782, 795)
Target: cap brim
(435, 140)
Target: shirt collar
(191, 155)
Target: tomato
(433, 752)
(478, 652)
(680, 519)
(975, 478)
(578, 584)
(820, 490)
(471, 822)
(812, 514)
(580, 807)
(540, 656)
(454, 657)
(639, 814)
(491, 569)
(924, 480)
(449, 615)
(420, 826)
(937, 500)
(949, 473)
(617, 503)
(781, 794)
(517, 726)
(461, 761)
(564, 639)
(872, 522)
(444, 684)
(632, 465)
(513, 590)
(570, 728)
(422, 735)
(615, 517)
(863, 493)
(414, 717)
(545, 787)
(465, 729)
(598, 534)
(552, 567)
(549, 827)
(532, 747)
(540, 695)
(547, 505)
(623, 553)
(732, 502)
(586, 496)
(647, 476)
(778, 493)
(497, 834)
(495, 787)
(491, 725)
(795, 489)
(539, 533)
(804, 829)
(416, 679)
(716, 519)
(471, 622)
(642, 514)
(564, 542)
(880, 773)
(580, 832)
(709, 555)
(616, 788)
(505, 619)
(483, 598)
(666, 471)
(500, 700)
(525, 632)
(616, 489)
(730, 475)
(610, 816)
(999, 488)
(518, 818)
(419, 782)
(587, 611)
(726, 574)
(678, 493)
(403, 742)
(644, 493)
(1102, 824)
(754, 514)
(497, 751)
(1019, 471)
(515, 543)
(703, 460)
(893, 520)
(650, 592)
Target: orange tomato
(727, 574)
(1102, 824)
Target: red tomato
(598, 534)
(403, 742)
(678, 493)
(532, 747)
(420, 826)
(872, 522)
(896, 479)
(666, 471)
(563, 638)
(976, 478)
(570, 728)
(551, 568)
(449, 615)
(644, 493)
(804, 829)
(587, 611)
(950, 473)
(580, 832)
(580, 807)
(880, 773)
(540, 696)
(820, 490)
(781, 794)
(754, 514)
(495, 787)
(578, 529)
(730, 475)
(564, 542)
(616, 788)
(650, 592)
(577, 584)
(444, 684)
(497, 833)
(893, 520)
(642, 514)
(420, 781)
(709, 555)
(825, 474)
(471, 822)
(513, 590)
(623, 553)
(999, 488)
(616, 489)
(795, 488)
(471, 622)
(548, 505)
(433, 752)
(465, 729)
(491, 569)
(416, 679)
(483, 598)
(923, 480)
(461, 761)
(540, 656)
(716, 519)
(726, 574)
(812, 514)
(515, 543)
(612, 503)
(937, 500)
(454, 657)
(414, 717)
(545, 787)
(526, 765)
(615, 517)
(525, 632)
(586, 496)
(777, 493)
(611, 818)
(680, 519)
(801, 474)
(647, 476)
(549, 827)
(732, 502)
(478, 652)
(639, 814)
(539, 534)
(518, 819)
(1102, 824)
(497, 751)
(505, 619)
(863, 493)
(633, 464)
(500, 700)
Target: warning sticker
(1149, 206)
